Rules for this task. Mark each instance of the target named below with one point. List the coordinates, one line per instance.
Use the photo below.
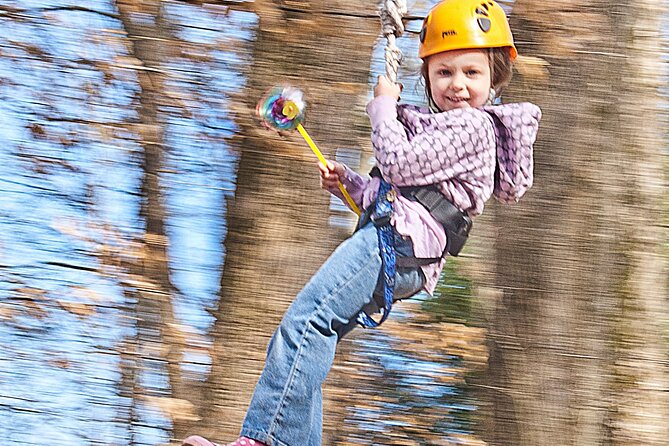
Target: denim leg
(286, 408)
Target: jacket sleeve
(516, 127)
(455, 144)
(354, 183)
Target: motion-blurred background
(152, 233)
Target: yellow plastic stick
(321, 158)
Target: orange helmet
(463, 24)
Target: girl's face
(459, 78)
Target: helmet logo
(482, 16)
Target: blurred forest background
(152, 233)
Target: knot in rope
(391, 14)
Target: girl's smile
(459, 78)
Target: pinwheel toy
(282, 108)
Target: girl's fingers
(329, 175)
(329, 168)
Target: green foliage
(452, 300)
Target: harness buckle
(381, 220)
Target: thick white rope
(391, 13)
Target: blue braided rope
(382, 211)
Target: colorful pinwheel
(282, 108)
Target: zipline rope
(391, 14)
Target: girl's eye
(444, 72)
(472, 72)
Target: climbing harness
(456, 224)
(383, 211)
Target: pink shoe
(196, 440)
(245, 441)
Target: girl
(462, 148)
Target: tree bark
(154, 301)
(579, 281)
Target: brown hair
(501, 70)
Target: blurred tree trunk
(278, 232)
(578, 291)
(157, 344)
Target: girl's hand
(384, 87)
(330, 174)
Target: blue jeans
(287, 406)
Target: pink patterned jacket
(470, 154)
